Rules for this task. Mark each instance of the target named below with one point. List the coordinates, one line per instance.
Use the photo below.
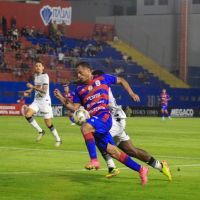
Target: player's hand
(26, 94)
(57, 93)
(29, 85)
(135, 97)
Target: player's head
(164, 91)
(66, 88)
(39, 68)
(84, 72)
(97, 72)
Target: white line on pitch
(48, 150)
(84, 152)
(84, 170)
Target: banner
(59, 110)
(141, 111)
(155, 111)
(185, 112)
(10, 109)
(16, 110)
(56, 15)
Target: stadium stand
(60, 54)
(149, 64)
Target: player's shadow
(91, 177)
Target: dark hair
(84, 64)
(98, 72)
(37, 60)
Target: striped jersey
(164, 99)
(94, 95)
(70, 96)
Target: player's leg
(46, 109)
(112, 169)
(24, 109)
(127, 146)
(124, 142)
(126, 160)
(87, 132)
(100, 127)
(30, 111)
(94, 128)
(162, 113)
(167, 114)
(49, 124)
(106, 143)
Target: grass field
(30, 170)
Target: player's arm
(127, 87)
(42, 89)
(65, 101)
(25, 93)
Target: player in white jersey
(123, 141)
(42, 103)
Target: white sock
(55, 134)
(158, 165)
(109, 161)
(36, 125)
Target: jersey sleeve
(76, 98)
(110, 79)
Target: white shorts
(118, 131)
(44, 107)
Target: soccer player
(70, 95)
(22, 104)
(92, 93)
(164, 98)
(124, 142)
(42, 103)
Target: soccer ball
(80, 116)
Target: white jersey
(41, 80)
(117, 130)
(42, 101)
(116, 110)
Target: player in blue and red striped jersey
(124, 142)
(69, 95)
(164, 98)
(92, 93)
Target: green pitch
(40, 171)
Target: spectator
(4, 26)
(61, 57)
(125, 57)
(13, 22)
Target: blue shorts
(102, 124)
(164, 107)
